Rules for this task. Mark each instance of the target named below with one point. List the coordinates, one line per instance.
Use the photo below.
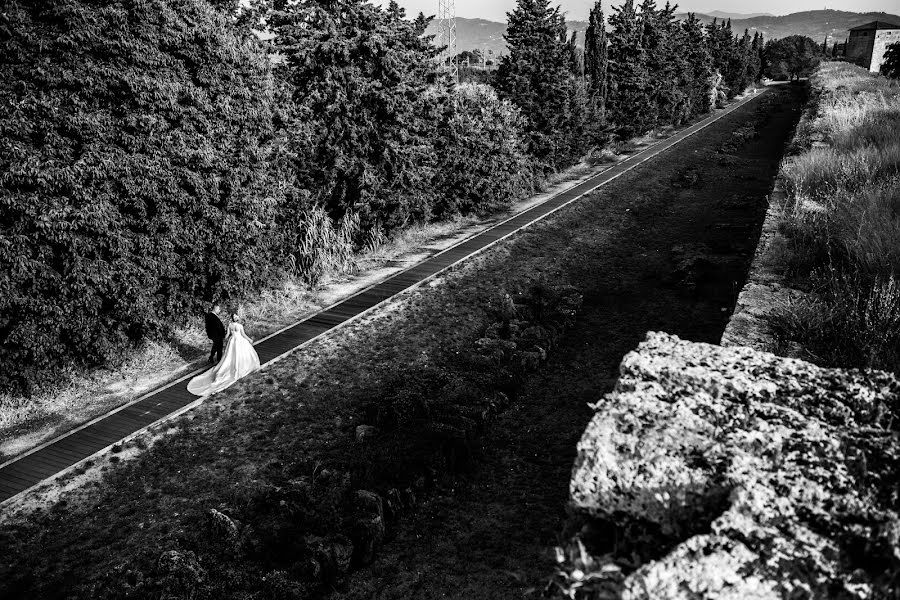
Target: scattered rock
(368, 526)
(365, 433)
(769, 477)
(221, 525)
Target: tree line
(157, 154)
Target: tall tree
(358, 76)
(792, 57)
(536, 76)
(754, 64)
(698, 79)
(596, 60)
(626, 99)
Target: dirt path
(666, 247)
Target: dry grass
(843, 216)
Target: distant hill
(488, 35)
(474, 34)
(721, 14)
(814, 23)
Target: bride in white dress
(238, 360)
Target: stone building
(867, 43)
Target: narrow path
(57, 456)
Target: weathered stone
(365, 433)
(368, 528)
(765, 290)
(221, 525)
(775, 478)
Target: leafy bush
(358, 77)
(891, 65)
(136, 141)
(482, 163)
(792, 57)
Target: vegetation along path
(99, 435)
(665, 247)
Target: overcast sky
(577, 10)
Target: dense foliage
(482, 155)
(537, 75)
(664, 71)
(890, 67)
(135, 175)
(156, 155)
(358, 78)
(792, 57)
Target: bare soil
(664, 247)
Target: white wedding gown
(238, 359)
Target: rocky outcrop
(754, 476)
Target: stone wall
(714, 472)
(765, 289)
(859, 48)
(883, 38)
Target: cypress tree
(626, 102)
(754, 66)
(699, 66)
(536, 77)
(360, 134)
(596, 58)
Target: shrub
(482, 162)
(135, 150)
(358, 77)
(891, 65)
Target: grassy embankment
(842, 222)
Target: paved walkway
(97, 436)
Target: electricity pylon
(447, 35)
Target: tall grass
(843, 218)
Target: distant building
(867, 43)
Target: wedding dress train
(238, 360)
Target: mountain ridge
(832, 25)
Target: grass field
(843, 222)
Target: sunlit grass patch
(843, 218)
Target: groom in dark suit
(215, 331)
